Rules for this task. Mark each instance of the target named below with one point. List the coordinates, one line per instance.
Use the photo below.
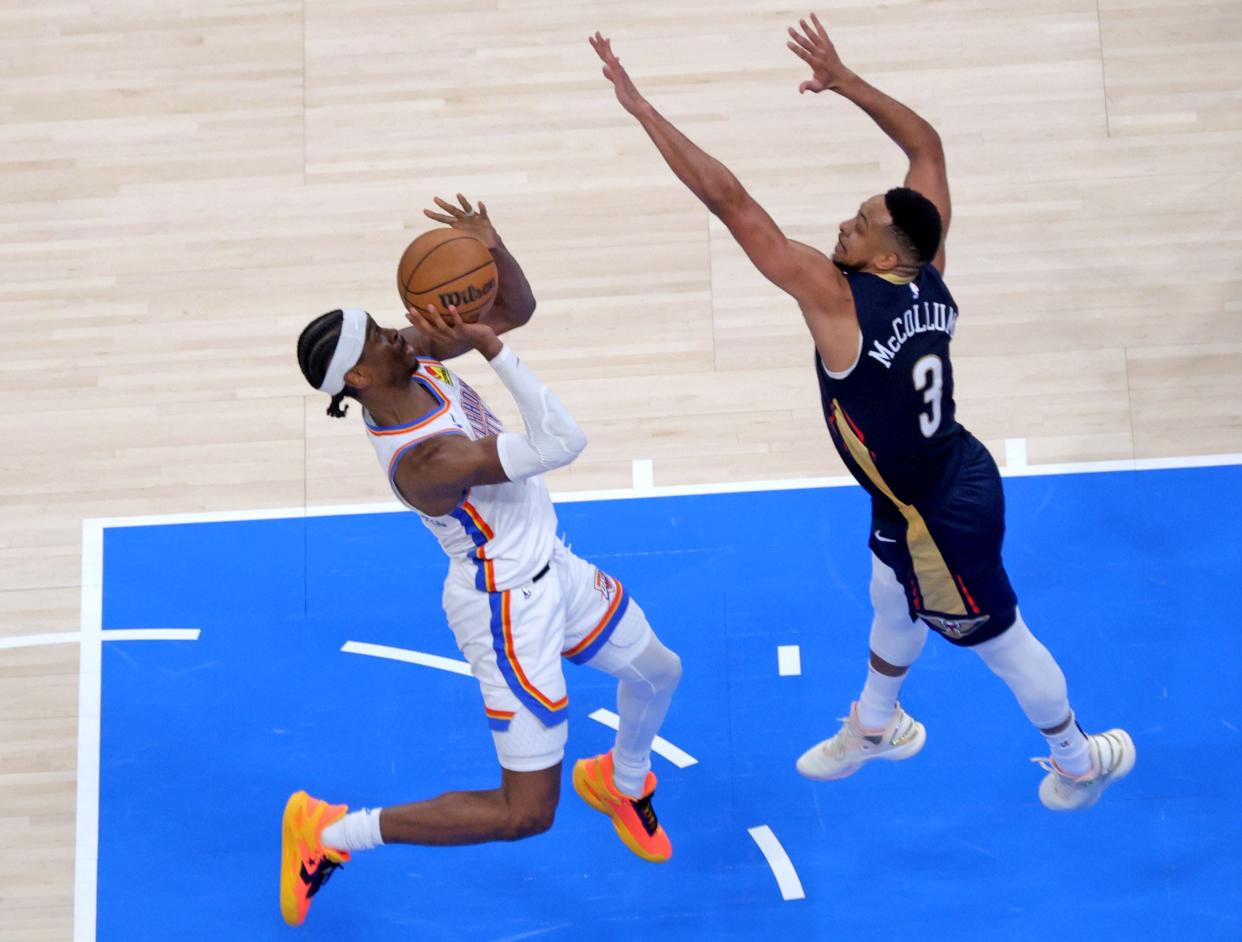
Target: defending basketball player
(516, 599)
(881, 319)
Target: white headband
(348, 350)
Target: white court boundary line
(782, 867)
(661, 746)
(86, 852)
(676, 490)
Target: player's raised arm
(433, 475)
(810, 276)
(917, 139)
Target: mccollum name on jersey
(918, 319)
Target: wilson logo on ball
(469, 296)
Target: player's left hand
(450, 330)
(814, 48)
(615, 72)
(466, 219)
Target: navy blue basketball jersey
(892, 417)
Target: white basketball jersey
(504, 532)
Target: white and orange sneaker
(634, 818)
(852, 746)
(305, 864)
(1112, 757)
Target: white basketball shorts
(515, 641)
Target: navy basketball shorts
(946, 551)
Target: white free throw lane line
(643, 474)
(782, 867)
(788, 660)
(1015, 453)
(452, 665)
(114, 634)
(662, 746)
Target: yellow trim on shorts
(935, 581)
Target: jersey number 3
(929, 380)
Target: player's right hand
(450, 329)
(615, 72)
(814, 48)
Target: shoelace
(321, 875)
(646, 814)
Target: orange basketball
(447, 266)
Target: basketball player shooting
(515, 597)
(881, 319)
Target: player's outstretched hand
(814, 48)
(466, 219)
(450, 330)
(615, 72)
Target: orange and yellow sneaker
(305, 864)
(634, 818)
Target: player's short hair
(316, 344)
(916, 222)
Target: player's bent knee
(671, 675)
(527, 822)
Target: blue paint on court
(1128, 577)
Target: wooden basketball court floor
(185, 185)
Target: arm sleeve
(552, 440)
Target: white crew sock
(358, 830)
(1069, 749)
(878, 701)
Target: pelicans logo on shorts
(604, 585)
(956, 628)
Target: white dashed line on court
(151, 634)
(678, 757)
(450, 664)
(643, 474)
(1015, 452)
(782, 867)
(788, 660)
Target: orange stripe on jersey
(422, 422)
(478, 520)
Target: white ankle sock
(878, 701)
(358, 830)
(1069, 749)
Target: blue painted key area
(1130, 578)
